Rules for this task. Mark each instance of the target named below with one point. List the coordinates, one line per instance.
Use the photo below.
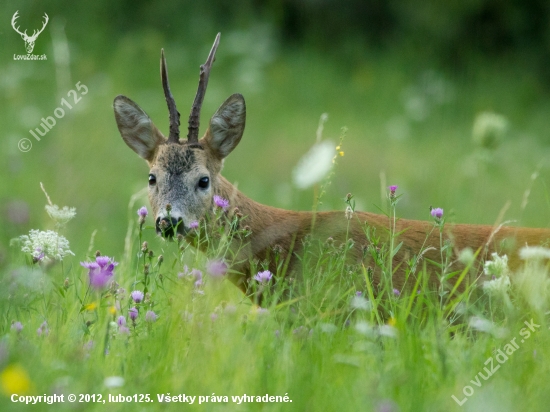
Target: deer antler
(194, 117)
(174, 136)
(36, 33)
(13, 19)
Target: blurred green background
(407, 78)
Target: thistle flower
(216, 268)
(263, 277)
(437, 213)
(142, 213)
(221, 202)
(396, 292)
(133, 313)
(45, 244)
(101, 271)
(150, 316)
(392, 190)
(137, 296)
(121, 321)
(194, 224)
(61, 216)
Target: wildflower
(392, 321)
(17, 326)
(133, 313)
(114, 382)
(497, 286)
(396, 292)
(534, 253)
(221, 202)
(349, 212)
(489, 129)
(150, 316)
(358, 293)
(137, 296)
(216, 268)
(437, 213)
(263, 277)
(15, 380)
(142, 212)
(314, 165)
(61, 216)
(497, 267)
(121, 321)
(42, 244)
(359, 302)
(392, 189)
(101, 271)
(213, 317)
(466, 256)
(43, 329)
(194, 224)
(124, 330)
(484, 325)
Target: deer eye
(204, 182)
(152, 179)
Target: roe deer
(185, 174)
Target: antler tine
(14, 22)
(194, 117)
(174, 136)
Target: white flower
(496, 267)
(466, 256)
(359, 302)
(61, 216)
(489, 128)
(497, 286)
(534, 253)
(484, 325)
(114, 382)
(45, 244)
(314, 165)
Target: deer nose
(168, 226)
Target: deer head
(184, 173)
(29, 40)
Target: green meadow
(470, 138)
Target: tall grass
(337, 342)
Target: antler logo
(29, 40)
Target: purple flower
(393, 188)
(358, 293)
(150, 316)
(133, 313)
(142, 212)
(437, 213)
(17, 326)
(193, 225)
(216, 268)
(396, 292)
(137, 296)
(198, 283)
(124, 330)
(221, 202)
(100, 271)
(40, 256)
(43, 329)
(121, 321)
(263, 277)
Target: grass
(327, 350)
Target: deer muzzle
(169, 226)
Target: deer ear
(136, 128)
(227, 126)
